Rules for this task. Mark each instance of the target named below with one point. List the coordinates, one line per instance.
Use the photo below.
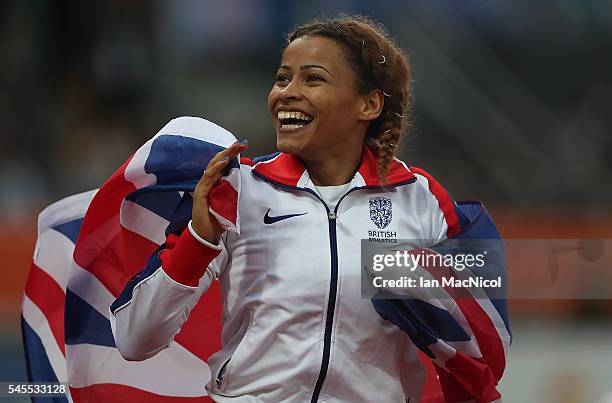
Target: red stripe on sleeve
(185, 260)
(444, 200)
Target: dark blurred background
(513, 107)
(512, 98)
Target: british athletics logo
(381, 211)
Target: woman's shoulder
(421, 181)
(428, 182)
(437, 199)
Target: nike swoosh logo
(271, 220)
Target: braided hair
(378, 63)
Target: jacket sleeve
(467, 339)
(156, 302)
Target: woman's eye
(314, 77)
(282, 78)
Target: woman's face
(314, 103)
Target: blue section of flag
(482, 229)
(178, 163)
(38, 365)
(70, 229)
(424, 323)
(177, 159)
(161, 203)
(181, 216)
(83, 324)
(475, 221)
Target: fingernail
(224, 159)
(244, 142)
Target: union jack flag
(464, 332)
(89, 246)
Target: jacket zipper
(332, 216)
(331, 305)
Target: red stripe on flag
(106, 202)
(481, 374)
(110, 392)
(223, 199)
(49, 297)
(467, 378)
(124, 255)
(453, 391)
(486, 334)
(487, 337)
(98, 248)
(201, 333)
(432, 393)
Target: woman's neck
(333, 169)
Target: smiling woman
(353, 83)
(295, 325)
(316, 82)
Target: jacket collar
(288, 170)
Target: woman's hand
(202, 222)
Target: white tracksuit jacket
(295, 326)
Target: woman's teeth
(293, 115)
(293, 119)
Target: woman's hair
(378, 63)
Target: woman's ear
(372, 105)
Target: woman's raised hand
(202, 222)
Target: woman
(295, 327)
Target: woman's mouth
(292, 120)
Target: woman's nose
(291, 91)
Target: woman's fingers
(203, 223)
(212, 174)
(231, 152)
(217, 164)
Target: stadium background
(513, 107)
